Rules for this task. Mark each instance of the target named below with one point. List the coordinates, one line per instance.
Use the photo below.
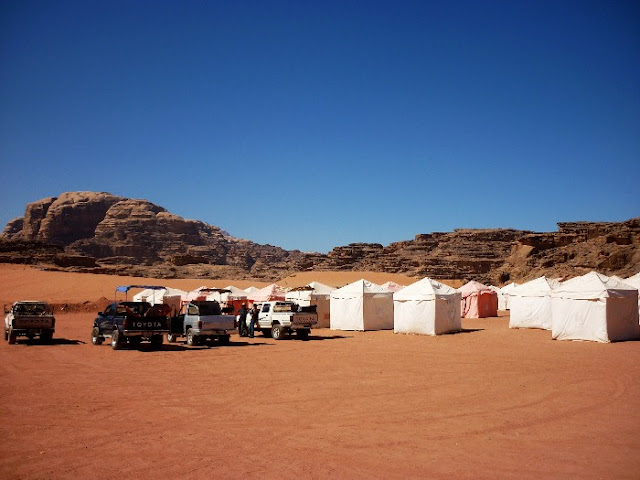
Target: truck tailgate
(32, 321)
(305, 319)
(217, 322)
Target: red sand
(487, 403)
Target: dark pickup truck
(131, 322)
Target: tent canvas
(361, 305)
(267, 294)
(594, 307)
(478, 300)
(154, 296)
(426, 307)
(634, 281)
(504, 296)
(531, 304)
(317, 294)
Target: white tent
(594, 307)
(156, 296)
(531, 304)
(251, 289)
(634, 282)
(427, 307)
(504, 296)
(361, 305)
(234, 293)
(317, 294)
(268, 293)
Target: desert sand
(489, 402)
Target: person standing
(254, 320)
(242, 321)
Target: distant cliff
(100, 232)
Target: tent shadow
(465, 330)
(313, 338)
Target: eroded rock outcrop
(105, 233)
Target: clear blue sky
(309, 124)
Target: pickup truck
(131, 322)
(200, 320)
(28, 319)
(278, 319)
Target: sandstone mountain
(100, 232)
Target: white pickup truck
(279, 319)
(199, 320)
(28, 319)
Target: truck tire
(116, 340)
(156, 341)
(96, 338)
(224, 339)
(278, 332)
(191, 338)
(172, 338)
(11, 337)
(303, 334)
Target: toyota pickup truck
(28, 319)
(201, 320)
(279, 319)
(130, 323)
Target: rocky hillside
(104, 233)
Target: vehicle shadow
(33, 342)
(465, 330)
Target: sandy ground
(489, 402)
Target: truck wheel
(11, 337)
(172, 337)
(278, 332)
(303, 334)
(191, 338)
(156, 341)
(224, 339)
(96, 338)
(116, 340)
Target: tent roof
(472, 287)
(634, 281)
(272, 290)
(236, 292)
(593, 285)
(508, 288)
(314, 287)
(540, 286)
(251, 289)
(425, 289)
(360, 287)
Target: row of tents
(590, 307)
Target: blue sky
(309, 125)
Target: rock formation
(105, 233)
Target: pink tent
(478, 300)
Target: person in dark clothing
(254, 320)
(242, 321)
